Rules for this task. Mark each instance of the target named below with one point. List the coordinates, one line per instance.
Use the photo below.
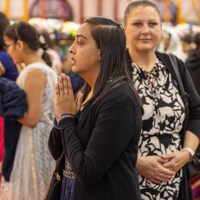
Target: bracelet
(60, 117)
(66, 114)
(63, 117)
(191, 152)
(55, 123)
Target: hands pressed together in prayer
(65, 99)
(160, 169)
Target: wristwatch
(191, 152)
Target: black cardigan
(102, 147)
(193, 99)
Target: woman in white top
(33, 163)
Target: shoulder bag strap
(183, 94)
(177, 72)
(185, 186)
(59, 162)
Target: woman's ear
(20, 45)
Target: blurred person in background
(33, 163)
(193, 62)
(187, 43)
(171, 43)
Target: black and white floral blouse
(162, 121)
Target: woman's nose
(71, 49)
(145, 28)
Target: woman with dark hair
(33, 163)
(99, 130)
(171, 121)
(193, 62)
(187, 43)
(7, 67)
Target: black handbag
(55, 186)
(193, 166)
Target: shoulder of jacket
(164, 57)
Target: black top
(102, 146)
(193, 65)
(192, 117)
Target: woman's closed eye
(79, 43)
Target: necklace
(149, 79)
(152, 83)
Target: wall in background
(188, 10)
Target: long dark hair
(27, 33)
(110, 39)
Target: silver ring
(66, 91)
